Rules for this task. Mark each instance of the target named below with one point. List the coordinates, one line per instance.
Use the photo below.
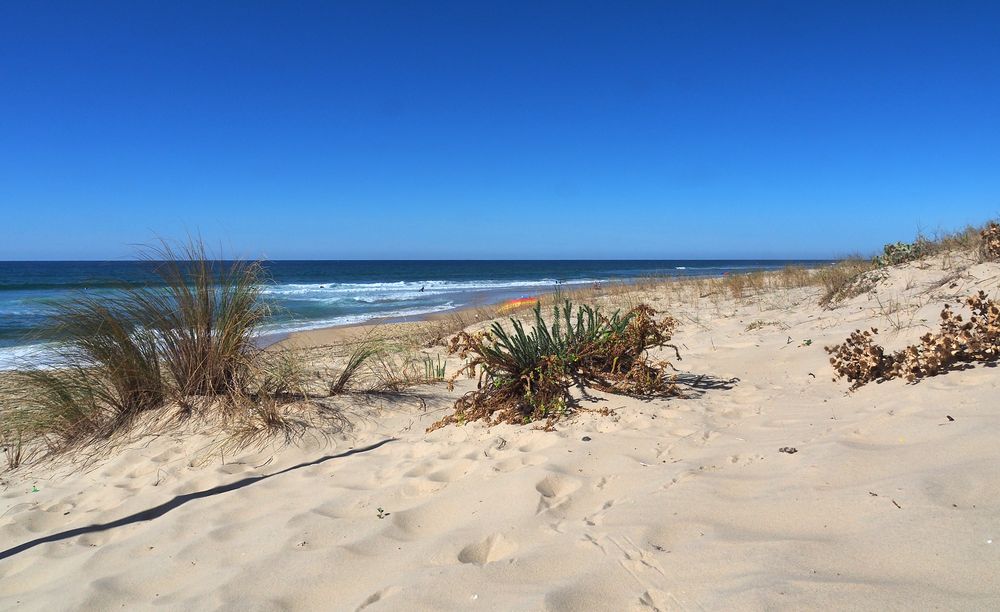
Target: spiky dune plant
(525, 376)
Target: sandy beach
(767, 486)
(527, 307)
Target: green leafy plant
(902, 252)
(525, 375)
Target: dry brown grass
(846, 279)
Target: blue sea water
(313, 294)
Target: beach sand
(891, 499)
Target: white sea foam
(353, 319)
(399, 290)
(46, 355)
(33, 355)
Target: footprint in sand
(419, 470)
(489, 550)
(514, 463)
(459, 468)
(40, 521)
(555, 491)
(420, 488)
(227, 533)
(598, 517)
(537, 444)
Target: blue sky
(496, 129)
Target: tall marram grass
(185, 338)
(108, 373)
(204, 319)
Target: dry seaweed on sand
(526, 375)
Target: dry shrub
(957, 342)
(525, 376)
(990, 242)
(621, 364)
(859, 359)
(792, 277)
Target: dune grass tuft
(361, 354)
(204, 317)
(184, 339)
(109, 373)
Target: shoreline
(301, 304)
(320, 336)
(487, 299)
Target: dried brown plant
(957, 342)
(990, 237)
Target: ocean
(314, 294)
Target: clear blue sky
(496, 129)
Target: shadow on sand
(158, 511)
(696, 385)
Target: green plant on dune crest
(525, 375)
(854, 276)
(902, 252)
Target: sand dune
(680, 504)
